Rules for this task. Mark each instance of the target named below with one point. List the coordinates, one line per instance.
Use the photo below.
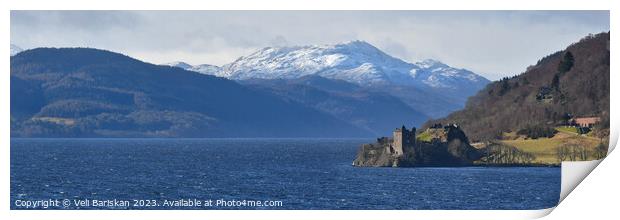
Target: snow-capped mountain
(15, 49)
(356, 61)
(182, 65)
(202, 68)
(428, 86)
(437, 74)
(206, 69)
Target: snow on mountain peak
(206, 69)
(354, 61)
(440, 71)
(202, 68)
(430, 63)
(180, 64)
(358, 46)
(15, 49)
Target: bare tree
(600, 151)
(571, 152)
(562, 153)
(498, 153)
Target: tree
(600, 151)
(572, 152)
(582, 153)
(537, 131)
(555, 83)
(566, 63)
(497, 153)
(505, 86)
(563, 152)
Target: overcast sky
(491, 43)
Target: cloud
(493, 43)
(279, 41)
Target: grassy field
(545, 149)
(424, 136)
(567, 129)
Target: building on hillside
(586, 122)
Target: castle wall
(410, 139)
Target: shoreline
(473, 165)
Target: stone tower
(403, 140)
(397, 145)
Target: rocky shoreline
(446, 146)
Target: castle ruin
(448, 146)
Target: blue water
(301, 173)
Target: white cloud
(493, 43)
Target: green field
(567, 129)
(424, 136)
(545, 149)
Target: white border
(607, 171)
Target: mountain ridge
(363, 107)
(201, 68)
(428, 86)
(85, 92)
(355, 61)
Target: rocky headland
(445, 146)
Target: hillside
(570, 83)
(79, 92)
(374, 111)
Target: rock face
(452, 148)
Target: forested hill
(82, 92)
(572, 82)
